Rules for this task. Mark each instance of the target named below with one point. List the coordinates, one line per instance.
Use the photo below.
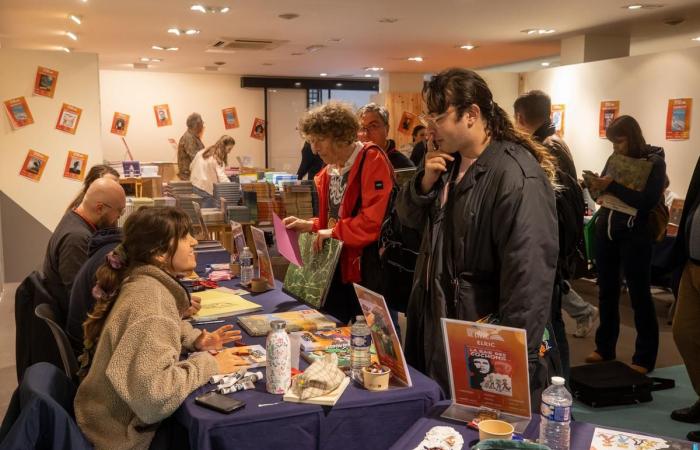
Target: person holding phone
(132, 375)
(485, 203)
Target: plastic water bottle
(246, 259)
(556, 415)
(360, 341)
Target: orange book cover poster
(558, 117)
(68, 118)
(678, 119)
(162, 113)
(488, 366)
(258, 131)
(76, 163)
(230, 118)
(264, 261)
(45, 82)
(120, 123)
(18, 112)
(609, 110)
(406, 122)
(34, 165)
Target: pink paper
(287, 242)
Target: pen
(204, 322)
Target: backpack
(570, 211)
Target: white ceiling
(123, 31)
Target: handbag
(658, 220)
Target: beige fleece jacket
(136, 378)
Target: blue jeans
(208, 201)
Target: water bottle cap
(558, 381)
(278, 324)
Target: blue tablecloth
(360, 420)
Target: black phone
(219, 402)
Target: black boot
(694, 436)
(688, 415)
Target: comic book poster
(384, 336)
(488, 366)
(406, 122)
(34, 165)
(264, 261)
(678, 119)
(230, 118)
(18, 112)
(609, 110)
(120, 123)
(68, 118)
(162, 113)
(45, 82)
(76, 164)
(558, 117)
(258, 131)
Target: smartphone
(219, 402)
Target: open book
(632, 173)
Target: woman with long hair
(623, 244)
(208, 167)
(485, 202)
(95, 173)
(132, 375)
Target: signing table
(360, 420)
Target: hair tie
(98, 292)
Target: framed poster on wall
(34, 165)
(258, 131)
(76, 164)
(120, 123)
(18, 112)
(68, 118)
(45, 82)
(609, 111)
(678, 119)
(162, 113)
(230, 118)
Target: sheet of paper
(287, 242)
(604, 439)
(222, 302)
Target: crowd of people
(494, 212)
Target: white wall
(284, 109)
(78, 85)
(643, 85)
(504, 87)
(136, 92)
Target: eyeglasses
(431, 121)
(120, 211)
(371, 127)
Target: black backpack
(570, 210)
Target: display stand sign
(488, 370)
(238, 237)
(264, 261)
(384, 336)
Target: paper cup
(495, 429)
(258, 285)
(235, 269)
(376, 381)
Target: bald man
(101, 208)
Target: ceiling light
(288, 16)
(191, 32)
(323, 74)
(468, 47)
(76, 19)
(539, 31)
(156, 47)
(174, 31)
(634, 7)
(71, 35)
(544, 64)
(696, 38)
(416, 58)
(171, 49)
(368, 75)
(388, 20)
(339, 84)
(314, 48)
(144, 59)
(335, 39)
(66, 49)
(156, 60)
(374, 69)
(297, 84)
(219, 63)
(199, 8)
(224, 10)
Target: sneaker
(594, 357)
(585, 324)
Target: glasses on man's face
(120, 211)
(433, 120)
(370, 128)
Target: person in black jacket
(485, 203)
(624, 242)
(374, 127)
(311, 163)
(420, 139)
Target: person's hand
(195, 306)
(228, 362)
(217, 338)
(298, 225)
(599, 184)
(435, 166)
(321, 236)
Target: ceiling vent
(232, 44)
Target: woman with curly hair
(132, 375)
(353, 190)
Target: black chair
(70, 364)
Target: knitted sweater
(136, 378)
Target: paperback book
(306, 319)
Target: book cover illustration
(120, 123)
(343, 354)
(406, 122)
(609, 110)
(384, 336)
(162, 113)
(230, 118)
(632, 173)
(488, 366)
(605, 439)
(34, 165)
(237, 237)
(305, 319)
(310, 283)
(251, 356)
(76, 163)
(678, 119)
(558, 117)
(45, 82)
(264, 261)
(325, 339)
(258, 131)
(68, 118)
(18, 112)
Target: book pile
(176, 188)
(186, 203)
(240, 214)
(162, 202)
(262, 189)
(314, 195)
(133, 204)
(297, 199)
(212, 216)
(250, 200)
(231, 192)
(265, 208)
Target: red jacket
(376, 182)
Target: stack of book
(212, 216)
(231, 192)
(133, 204)
(185, 202)
(265, 209)
(240, 214)
(177, 188)
(250, 200)
(314, 195)
(297, 200)
(164, 201)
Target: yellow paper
(223, 302)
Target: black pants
(630, 251)
(341, 301)
(562, 344)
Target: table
(153, 185)
(360, 420)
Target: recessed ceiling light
(636, 6)
(219, 63)
(368, 75)
(288, 16)
(174, 31)
(191, 32)
(76, 19)
(374, 69)
(199, 8)
(224, 9)
(314, 48)
(468, 47)
(539, 31)
(156, 47)
(168, 49)
(416, 58)
(696, 38)
(297, 84)
(71, 35)
(171, 49)
(545, 64)
(66, 49)
(339, 84)
(144, 59)
(156, 60)
(324, 74)
(388, 20)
